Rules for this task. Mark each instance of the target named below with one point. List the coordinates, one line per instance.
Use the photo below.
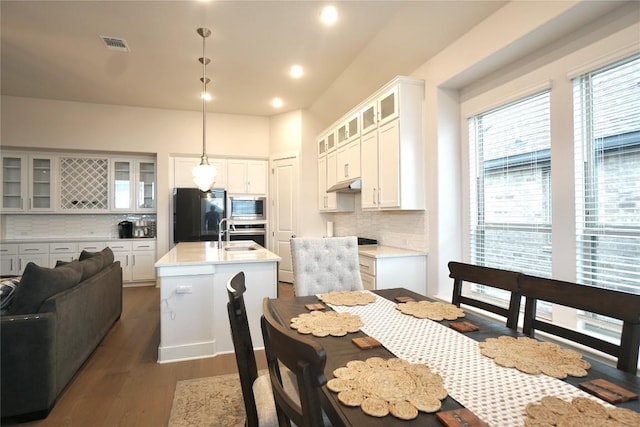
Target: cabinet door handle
(20, 264)
(11, 264)
(134, 259)
(364, 267)
(127, 260)
(374, 196)
(31, 250)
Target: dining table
(497, 396)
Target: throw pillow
(106, 253)
(90, 266)
(39, 283)
(7, 291)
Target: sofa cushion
(106, 254)
(39, 283)
(90, 266)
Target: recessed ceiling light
(296, 71)
(329, 15)
(276, 102)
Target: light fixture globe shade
(204, 175)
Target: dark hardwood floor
(122, 384)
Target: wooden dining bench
(618, 305)
(487, 276)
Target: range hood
(350, 186)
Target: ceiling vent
(115, 43)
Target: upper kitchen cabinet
(327, 143)
(349, 129)
(391, 154)
(183, 178)
(380, 141)
(27, 183)
(380, 109)
(331, 202)
(247, 176)
(348, 161)
(84, 184)
(133, 185)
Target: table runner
(496, 394)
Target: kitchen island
(193, 296)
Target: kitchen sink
(240, 248)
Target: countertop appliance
(196, 214)
(125, 229)
(246, 208)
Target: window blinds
(607, 147)
(510, 189)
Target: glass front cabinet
(133, 185)
(27, 183)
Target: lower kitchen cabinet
(137, 259)
(386, 268)
(14, 257)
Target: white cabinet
(348, 160)
(143, 260)
(394, 271)
(391, 151)
(349, 129)
(183, 178)
(37, 253)
(65, 251)
(122, 252)
(133, 185)
(9, 259)
(27, 183)
(90, 246)
(247, 176)
(137, 259)
(331, 202)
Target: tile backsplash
(27, 227)
(403, 229)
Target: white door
(284, 204)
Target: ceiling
(53, 49)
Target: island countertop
(200, 253)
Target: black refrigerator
(196, 214)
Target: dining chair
(256, 390)
(618, 305)
(487, 276)
(306, 359)
(325, 264)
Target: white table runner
(496, 394)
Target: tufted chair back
(325, 264)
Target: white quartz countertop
(201, 253)
(378, 251)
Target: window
(510, 188)
(607, 147)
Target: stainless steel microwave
(246, 208)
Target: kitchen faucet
(221, 231)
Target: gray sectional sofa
(57, 317)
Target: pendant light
(204, 174)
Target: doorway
(284, 211)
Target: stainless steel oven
(246, 208)
(255, 232)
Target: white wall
(47, 124)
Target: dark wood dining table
(340, 350)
